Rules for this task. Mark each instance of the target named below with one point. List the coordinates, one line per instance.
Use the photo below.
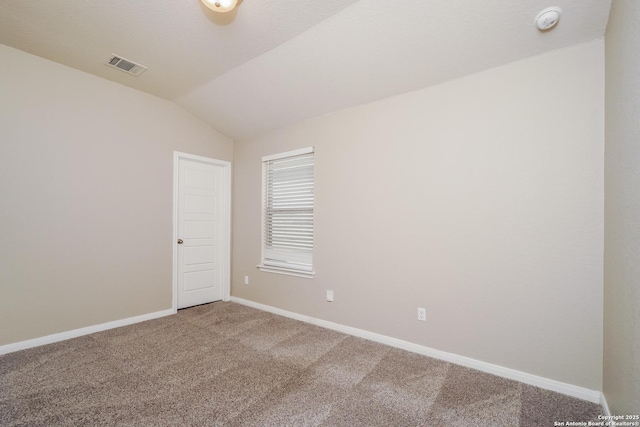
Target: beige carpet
(225, 364)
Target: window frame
(265, 266)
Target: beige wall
(86, 192)
(480, 199)
(622, 210)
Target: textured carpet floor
(225, 364)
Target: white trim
(226, 261)
(605, 405)
(291, 153)
(62, 336)
(534, 380)
(286, 271)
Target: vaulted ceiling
(271, 63)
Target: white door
(202, 230)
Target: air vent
(125, 65)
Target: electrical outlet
(329, 296)
(246, 280)
(422, 314)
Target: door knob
(180, 241)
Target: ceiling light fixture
(221, 6)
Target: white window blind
(288, 211)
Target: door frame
(226, 214)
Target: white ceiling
(271, 63)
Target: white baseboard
(545, 383)
(605, 405)
(22, 345)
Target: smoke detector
(547, 18)
(125, 65)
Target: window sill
(286, 271)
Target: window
(287, 213)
